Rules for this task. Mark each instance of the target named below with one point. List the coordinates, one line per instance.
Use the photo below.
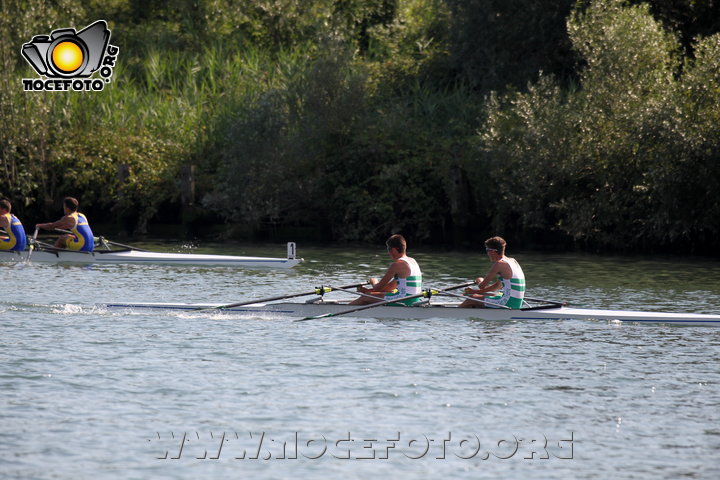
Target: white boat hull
(140, 257)
(436, 310)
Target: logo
(68, 59)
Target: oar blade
(315, 317)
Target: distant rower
(81, 238)
(14, 238)
(402, 279)
(505, 275)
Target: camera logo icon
(66, 54)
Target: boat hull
(143, 257)
(436, 310)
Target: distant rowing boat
(448, 310)
(46, 254)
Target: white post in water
(291, 251)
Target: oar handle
(455, 287)
(355, 292)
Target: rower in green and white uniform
(402, 279)
(503, 286)
(408, 286)
(513, 288)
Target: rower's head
(396, 244)
(5, 206)
(495, 246)
(70, 205)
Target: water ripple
(92, 393)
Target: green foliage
(690, 18)
(613, 162)
(392, 176)
(682, 185)
(526, 140)
(441, 119)
(494, 44)
(280, 137)
(29, 125)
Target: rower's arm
(491, 288)
(486, 289)
(66, 223)
(492, 275)
(484, 286)
(387, 283)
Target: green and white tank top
(411, 285)
(513, 288)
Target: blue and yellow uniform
(84, 240)
(16, 233)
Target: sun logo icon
(67, 57)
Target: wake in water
(102, 310)
(225, 315)
(73, 309)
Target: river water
(90, 394)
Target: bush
(614, 161)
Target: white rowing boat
(132, 255)
(448, 310)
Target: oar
(317, 291)
(354, 292)
(364, 307)
(455, 287)
(48, 246)
(103, 239)
(551, 302)
(473, 299)
(32, 244)
(425, 293)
